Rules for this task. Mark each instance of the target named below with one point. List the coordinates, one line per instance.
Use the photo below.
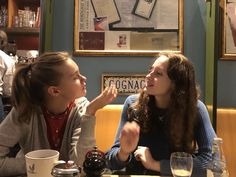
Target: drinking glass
(181, 164)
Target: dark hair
(182, 110)
(31, 81)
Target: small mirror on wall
(133, 27)
(228, 29)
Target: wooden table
(116, 176)
(131, 176)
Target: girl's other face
(73, 84)
(158, 83)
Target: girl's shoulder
(81, 100)
(202, 110)
(79, 107)
(131, 99)
(81, 103)
(201, 105)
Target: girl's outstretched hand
(129, 138)
(106, 97)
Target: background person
(165, 117)
(49, 112)
(7, 67)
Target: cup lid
(66, 168)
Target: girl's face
(157, 81)
(73, 84)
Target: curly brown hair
(182, 109)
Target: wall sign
(126, 84)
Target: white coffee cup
(39, 163)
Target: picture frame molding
(224, 33)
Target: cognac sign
(125, 83)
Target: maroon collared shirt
(56, 124)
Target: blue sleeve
(204, 135)
(112, 161)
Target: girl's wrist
(155, 166)
(122, 155)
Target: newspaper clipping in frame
(86, 15)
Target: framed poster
(228, 29)
(134, 27)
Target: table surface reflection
(114, 176)
(132, 176)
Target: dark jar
(94, 163)
(66, 169)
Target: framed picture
(125, 84)
(228, 29)
(133, 27)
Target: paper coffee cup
(39, 163)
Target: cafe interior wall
(93, 67)
(220, 83)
